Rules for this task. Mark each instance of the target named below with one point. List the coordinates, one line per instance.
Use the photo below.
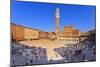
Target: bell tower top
(57, 12)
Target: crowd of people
(80, 52)
(24, 55)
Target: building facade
(89, 36)
(43, 35)
(52, 36)
(20, 33)
(69, 35)
(17, 32)
(31, 34)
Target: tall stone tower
(57, 19)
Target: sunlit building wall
(69, 35)
(24, 33)
(31, 34)
(52, 36)
(43, 35)
(17, 32)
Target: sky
(41, 16)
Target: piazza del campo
(40, 47)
